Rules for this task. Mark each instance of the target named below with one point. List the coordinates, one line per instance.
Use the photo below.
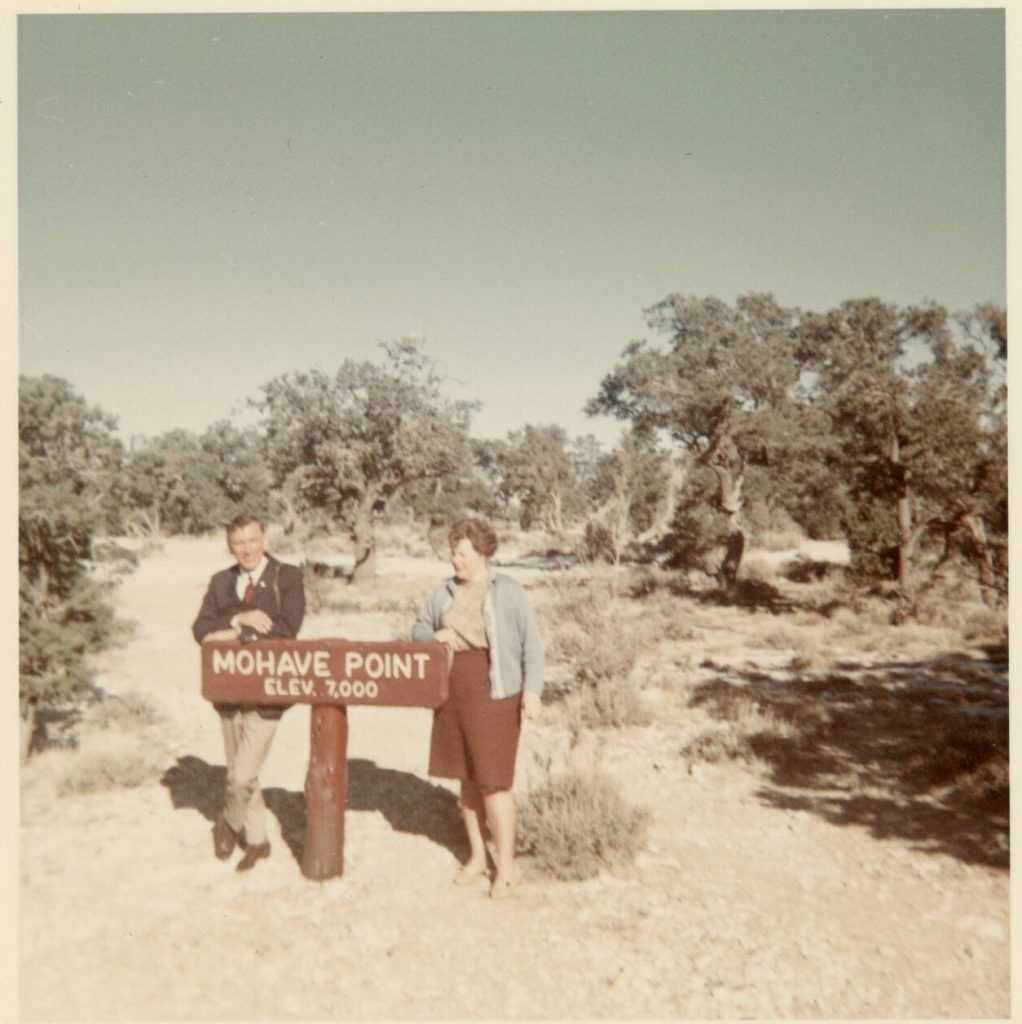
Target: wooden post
(329, 674)
(326, 790)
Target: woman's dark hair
(478, 531)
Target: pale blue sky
(207, 201)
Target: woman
(496, 677)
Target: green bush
(575, 824)
(56, 636)
(68, 461)
(698, 531)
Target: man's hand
(254, 618)
(532, 705)
(220, 636)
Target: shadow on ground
(752, 595)
(408, 803)
(916, 751)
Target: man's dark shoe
(224, 838)
(254, 852)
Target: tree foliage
(629, 495)
(539, 474)
(721, 391)
(181, 482)
(68, 468)
(348, 443)
(912, 405)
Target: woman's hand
(448, 636)
(532, 705)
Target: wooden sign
(326, 672)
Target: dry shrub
(593, 632)
(577, 823)
(114, 762)
(782, 638)
(607, 704)
(784, 539)
(759, 570)
(743, 721)
(808, 661)
(986, 786)
(120, 747)
(780, 532)
(131, 710)
(666, 615)
(320, 588)
(808, 571)
(985, 624)
(969, 760)
(862, 616)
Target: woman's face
(468, 564)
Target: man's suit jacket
(279, 593)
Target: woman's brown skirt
(475, 738)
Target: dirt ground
(749, 901)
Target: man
(256, 598)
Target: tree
(348, 443)
(910, 402)
(540, 473)
(439, 501)
(181, 482)
(68, 463)
(237, 459)
(631, 496)
(721, 391)
(171, 486)
(987, 523)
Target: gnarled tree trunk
(730, 500)
(907, 535)
(363, 535)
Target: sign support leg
(326, 790)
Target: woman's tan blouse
(465, 616)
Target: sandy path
(735, 910)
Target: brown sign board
(325, 672)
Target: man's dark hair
(240, 522)
(478, 531)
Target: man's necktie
(249, 591)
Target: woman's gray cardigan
(512, 632)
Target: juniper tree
(68, 470)
(721, 391)
(910, 401)
(186, 483)
(347, 443)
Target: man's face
(248, 545)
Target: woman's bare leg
(500, 813)
(473, 814)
